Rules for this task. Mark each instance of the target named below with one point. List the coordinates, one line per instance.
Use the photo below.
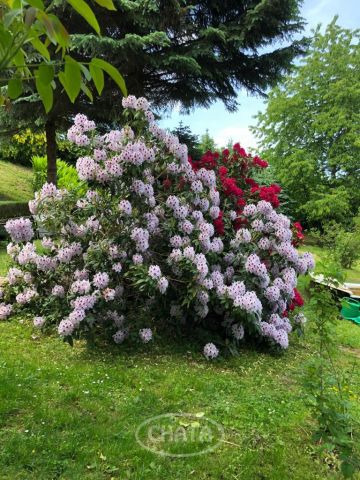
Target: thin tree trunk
(50, 131)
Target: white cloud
(315, 12)
(236, 134)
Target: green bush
(347, 248)
(13, 209)
(67, 174)
(327, 236)
(344, 245)
(22, 147)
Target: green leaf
(87, 91)
(71, 78)
(36, 3)
(85, 72)
(46, 73)
(112, 72)
(97, 76)
(10, 16)
(85, 11)
(47, 23)
(40, 47)
(61, 33)
(347, 469)
(19, 59)
(45, 92)
(30, 15)
(106, 4)
(14, 88)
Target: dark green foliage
(193, 52)
(13, 209)
(184, 134)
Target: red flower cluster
(251, 182)
(298, 234)
(219, 224)
(270, 194)
(298, 300)
(260, 163)
(230, 187)
(209, 161)
(167, 183)
(240, 151)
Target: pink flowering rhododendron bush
(157, 240)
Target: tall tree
(178, 51)
(207, 143)
(185, 135)
(310, 130)
(196, 52)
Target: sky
(223, 125)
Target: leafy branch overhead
(35, 47)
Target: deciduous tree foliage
(35, 62)
(35, 46)
(310, 130)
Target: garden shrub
(344, 244)
(347, 248)
(21, 147)
(13, 209)
(67, 176)
(158, 238)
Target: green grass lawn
(4, 259)
(72, 413)
(352, 274)
(15, 183)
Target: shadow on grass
(183, 345)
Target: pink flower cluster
(20, 230)
(153, 232)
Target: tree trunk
(50, 131)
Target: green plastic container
(351, 310)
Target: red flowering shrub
(237, 188)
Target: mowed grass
(72, 413)
(4, 259)
(15, 183)
(352, 274)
